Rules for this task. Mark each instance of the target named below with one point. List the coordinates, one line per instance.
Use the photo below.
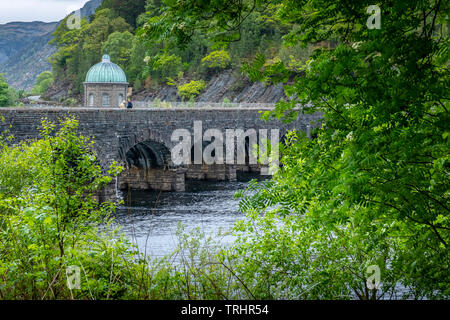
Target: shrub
(227, 102)
(49, 219)
(71, 102)
(219, 59)
(191, 89)
(8, 95)
(43, 82)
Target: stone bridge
(141, 139)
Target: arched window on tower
(105, 100)
(120, 100)
(91, 100)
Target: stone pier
(218, 172)
(153, 179)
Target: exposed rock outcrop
(221, 86)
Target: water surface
(151, 218)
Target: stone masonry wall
(218, 172)
(153, 179)
(98, 89)
(115, 130)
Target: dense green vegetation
(118, 29)
(127, 9)
(191, 89)
(43, 82)
(8, 95)
(3, 92)
(46, 207)
(79, 49)
(50, 221)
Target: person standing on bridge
(129, 105)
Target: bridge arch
(145, 150)
(148, 154)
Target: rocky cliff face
(222, 86)
(24, 48)
(90, 7)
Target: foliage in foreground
(48, 217)
(50, 221)
(372, 188)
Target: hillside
(221, 87)
(160, 68)
(24, 48)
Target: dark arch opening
(148, 154)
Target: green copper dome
(106, 72)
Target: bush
(191, 89)
(43, 82)
(8, 95)
(71, 102)
(167, 64)
(219, 59)
(227, 102)
(49, 219)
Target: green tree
(79, 49)
(4, 99)
(8, 95)
(372, 187)
(119, 47)
(136, 69)
(127, 9)
(167, 64)
(13, 96)
(43, 82)
(261, 31)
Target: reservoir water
(151, 218)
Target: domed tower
(106, 85)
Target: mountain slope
(24, 48)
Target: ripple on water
(152, 224)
